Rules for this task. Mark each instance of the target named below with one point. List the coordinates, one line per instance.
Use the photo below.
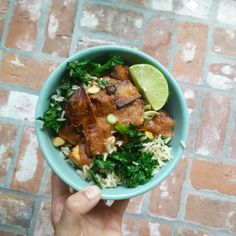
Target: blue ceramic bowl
(176, 106)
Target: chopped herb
(102, 82)
(129, 163)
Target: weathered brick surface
(27, 71)
(24, 25)
(15, 210)
(60, 27)
(157, 38)
(222, 76)
(165, 198)
(232, 149)
(111, 20)
(212, 131)
(188, 232)
(1, 27)
(209, 212)
(213, 176)
(3, 6)
(7, 143)
(135, 204)
(138, 2)
(142, 227)
(226, 12)
(4, 233)
(189, 59)
(43, 222)
(17, 105)
(30, 163)
(224, 41)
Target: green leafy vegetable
(129, 163)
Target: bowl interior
(176, 106)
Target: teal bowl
(176, 106)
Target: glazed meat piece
(69, 133)
(161, 124)
(103, 103)
(78, 109)
(126, 93)
(78, 155)
(131, 113)
(120, 72)
(96, 135)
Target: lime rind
(152, 83)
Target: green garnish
(77, 73)
(129, 163)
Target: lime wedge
(152, 83)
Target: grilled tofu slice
(126, 93)
(120, 72)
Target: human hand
(82, 213)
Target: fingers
(79, 204)
(120, 206)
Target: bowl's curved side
(176, 105)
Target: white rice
(158, 147)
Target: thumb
(79, 204)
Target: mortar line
(9, 176)
(184, 191)
(175, 223)
(174, 46)
(6, 23)
(229, 130)
(215, 159)
(75, 32)
(212, 19)
(44, 178)
(15, 121)
(13, 229)
(40, 38)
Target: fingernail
(92, 192)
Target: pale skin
(84, 213)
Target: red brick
(27, 71)
(4, 233)
(87, 42)
(7, 143)
(211, 133)
(43, 221)
(222, 76)
(232, 150)
(1, 27)
(111, 20)
(15, 210)
(135, 204)
(60, 27)
(224, 41)
(23, 26)
(213, 176)
(18, 105)
(165, 198)
(209, 212)
(3, 6)
(30, 163)
(189, 232)
(157, 39)
(226, 12)
(144, 228)
(189, 59)
(199, 8)
(138, 2)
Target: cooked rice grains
(161, 152)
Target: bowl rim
(105, 48)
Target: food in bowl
(108, 121)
